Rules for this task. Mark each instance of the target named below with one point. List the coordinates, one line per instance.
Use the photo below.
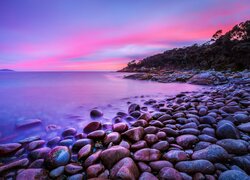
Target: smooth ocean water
(64, 99)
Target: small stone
(32, 174)
(133, 107)
(170, 174)
(208, 120)
(134, 134)
(40, 153)
(92, 159)
(234, 146)
(80, 143)
(69, 132)
(73, 168)
(147, 154)
(161, 145)
(125, 169)
(213, 153)
(84, 152)
(94, 170)
(233, 175)
(245, 127)
(7, 149)
(39, 163)
(96, 135)
(95, 113)
(151, 138)
(92, 126)
(113, 137)
(120, 127)
(175, 156)
(158, 165)
(35, 144)
(56, 172)
(147, 175)
(144, 167)
(58, 156)
(227, 131)
(203, 166)
(112, 155)
(139, 145)
(187, 141)
(16, 164)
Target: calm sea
(64, 99)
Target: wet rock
(140, 122)
(56, 172)
(233, 175)
(213, 153)
(157, 115)
(147, 175)
(113, 137)
(73, 168)
(234, 146)
(16, 164)
(134, 134)
(125, 169)
(120, 127)
(39, 163)
(158, 165)
(29, 139)
(245, 127)
(84, 151)
(76, 177)
(207, 138)
(135, 114)
(7, 149)
(227, 131)
(169, 173)
(92, 159)
(146, 116)
(95, 113)
(40, 153)
(92, 126)
(125, 144)
(156, 123)
(151, 138)
(139, 145)
(164, 117)
(32, 174)
(230, 109)
(133, 107)
(243, 162)
(69, 132)
(112, 155)
(144, 167)
(161, 145)
(96, 135)
(35, 144)
(151, 130)
(208, 120)
(147, 154)
(58, 156)
(28, 123)
(94, 170)
(186, 141)
(203, 166)
(175, 156)
(53, 142)
(161, 135)
(201, 145)
(80, 143)
(66, 142)
(170, 132)
(241, 118)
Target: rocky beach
(193, 135)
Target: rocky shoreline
(194, 135)
(208, 77)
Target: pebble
(147, 155)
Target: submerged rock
(28, 123)
(95, 113)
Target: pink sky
(105, 36)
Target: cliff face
(228, 51)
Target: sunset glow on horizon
(92, 35)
